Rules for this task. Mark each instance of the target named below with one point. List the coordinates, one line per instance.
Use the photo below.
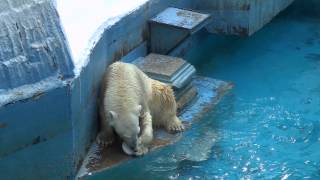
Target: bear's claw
(175, 127)
(142, 151)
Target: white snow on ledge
(30, 90)
(84, 22)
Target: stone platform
(210, 91)
(171, 70)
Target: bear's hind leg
(175, 125)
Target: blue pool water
(268, 127)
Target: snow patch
(30, 90)
(84, 22)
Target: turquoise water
(267, 127)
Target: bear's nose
(135, 149)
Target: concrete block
(172, 70)
(186, 98)
(172, 26)
(180, 18)
(242, 17)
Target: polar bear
(125, 95)
(129, 99)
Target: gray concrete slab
(180, 18)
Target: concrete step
(99, 159)
(173, 25)
(171, 70)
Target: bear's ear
(112, 115)
(139, 109)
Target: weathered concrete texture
(49, 160)
(34, 120)
(303, 8)
(242, 17)
(186, 97)
(139, 51)
(180, 18)
(190, 42)
(165, 66)
(84, 96)
(100, 159)
(32, 44)
(132, 30)
(164, 39)
(35, 101)
(172, 70)
(36, 137)
(172, 26)
(262, 12)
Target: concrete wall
(241, 17)
(36, 136)
(48, 119)
(48, 159)
(35, 71)
(32, 45)
(308, 8)
(228, 16)
(263, 12)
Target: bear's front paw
(141, 151)
(103, 140)
(175, 126)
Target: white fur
(125, 97)
(164, 108)
(132, 102)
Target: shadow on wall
(305, 8)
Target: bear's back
(126, 85)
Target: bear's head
(126, 125)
